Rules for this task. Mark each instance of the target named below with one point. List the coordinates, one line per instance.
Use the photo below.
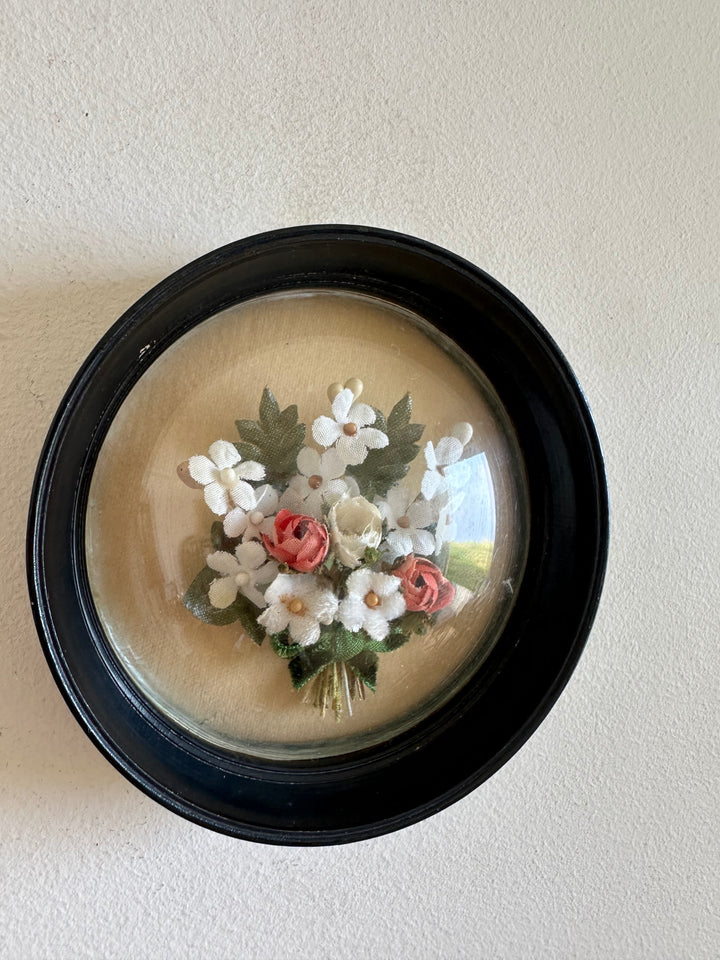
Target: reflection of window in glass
(469, 521)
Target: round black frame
(407, 778)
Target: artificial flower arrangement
(328, 554)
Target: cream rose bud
(355, 524)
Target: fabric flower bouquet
(329, 554)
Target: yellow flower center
(315, 481)
(295, 606)
(372, 600)
(350, 429)
(404, 522)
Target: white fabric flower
(406, 522)
(318, 483)
(241, 573)
(298, 603)
(448, 451)
(254, 513)
(372, 601)
(349, 430)
(221, 474)
(355, 524)
(446, 529)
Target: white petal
(224, 454)
(333, 490)
(359, 582)
(235, 523)
(222, 592)
(376, 624)
(399, 542)
(267, 525)
(267, 572)
(275, 617)
(341, 405)
(331, 465)
(304, 630)
(430, 458)
(361, 414)
(312, 505)
(423, 543)
(352, 613)
(243, 495)
(250, 470)
(281, 585)
(326, 431)
(223, 562)
(420, 514)
(266, 499)
(372, 438)
(352, 449)
(292, 500)
(324, 606)
(202, 470)
(216, 498)
(431, 483)
(308, 462)
(253, 595)
(384, 584)
(398, 498)
(448, 450)
(393, 606)
(352, 486)
(250, 555)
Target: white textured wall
(570, 149)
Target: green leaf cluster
(383, 468)
(274, 440)
(336, 644)
(197, 601)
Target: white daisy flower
(254, 513)
(406, 522)
(349, 430)
(298, 603)
(448, 451)
(241, 573)
(372, 601)
(221, 474)
(318, 483)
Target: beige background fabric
(571, 150)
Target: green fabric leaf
(274, 440)
(364, 666)
(197, 601)
(383, 468)
(308, 663)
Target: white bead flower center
(228, 477)
(242, 579)
(256, 517)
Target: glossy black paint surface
(368, 792)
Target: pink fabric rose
(424, 587)
(299, 541)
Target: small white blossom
(319, 483)
(372, 601)
(448, 451)
(241, 573)
(298, 603)
(254, 513)
(221, 473)
(406, 522)
(349, 430)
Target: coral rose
(299, 541)
(424, 587)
